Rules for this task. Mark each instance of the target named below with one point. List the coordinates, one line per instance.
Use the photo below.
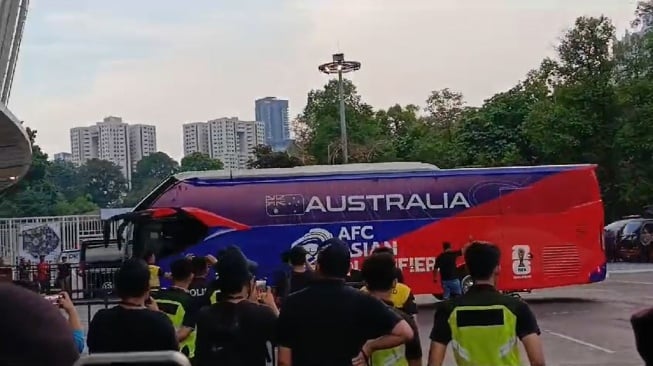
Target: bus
(547, 220)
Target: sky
(169, 62)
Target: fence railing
(81, 282)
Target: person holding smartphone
(135, 324)
(236, 329)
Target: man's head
(41, 258)
(379, 272)
(133, 279)
(36, 332)
(64, 259)
(200, 266)
(334, 259)
(149, 257)
(446, 246)
(235, 272)
(297, 256)
(483, 261)
(380, 250)
(182, 271)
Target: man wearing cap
(235, 330)
(333, 324)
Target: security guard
(483, 325)
(402, 298)
(180, 306)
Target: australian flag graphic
(284, 204)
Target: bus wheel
(467, 282)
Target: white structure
(63, 156)
(142, 142)
(115, 141)
(232, 141)
(196, 138)
(15, 147)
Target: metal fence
(70, 231)
(83, 283)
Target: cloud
(215, 61)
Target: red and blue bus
(547, 220)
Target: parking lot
(581, 325)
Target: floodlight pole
(340, 66)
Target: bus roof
(355, 169)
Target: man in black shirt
(300, 275)
(445, 264)
(179, 305)
(329, 323)
(136, 324)
(483, 323)
(200, 283)
(380, 280)
(235, 330)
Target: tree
(199, 161)
(154, 167)
(320, 125)
(264, 157)
(103, 181)
(65, 177)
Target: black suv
(629, 239)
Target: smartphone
(262, 285)
(163, 358)
(53, 299)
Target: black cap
(234, 264)
(334, 258)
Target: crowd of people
(311, 317)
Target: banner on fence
(37, 239)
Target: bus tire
(466, 283)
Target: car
(629, 239)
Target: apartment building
(63, 156)
(196, 138)
(232, 141)
(113, 140)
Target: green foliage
(103, 181)
(264, 157)
(198, 161)
(157, 166)
(593, 103)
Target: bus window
(166, 237)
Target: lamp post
(340, 66)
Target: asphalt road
(581, 325)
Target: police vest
(154, 276)
(492, 341)
(390, 357)
(176, 312)
(399, 296)
(214, 297)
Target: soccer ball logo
(311, 241)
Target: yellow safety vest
(389, 357)
(155, 283)
(400, 295)
(187, 346)
(214, 297)
(476, 344)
